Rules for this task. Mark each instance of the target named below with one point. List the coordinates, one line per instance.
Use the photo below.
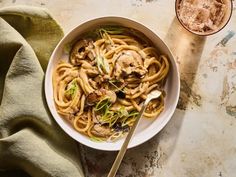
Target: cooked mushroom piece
(92, 99)
(111, 95)
(129, 62)
(81, 50)
(97, 95)
(101, 131)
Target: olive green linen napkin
(31, 143)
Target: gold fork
(152, 95)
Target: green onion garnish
(102, 64)
(72, 89)
(96, 139)
(102, 104)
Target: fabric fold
(30, 140)
(36, 25)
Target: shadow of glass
(187, 49)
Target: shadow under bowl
(147, 128)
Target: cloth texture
(31, 143)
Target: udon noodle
(102, 87)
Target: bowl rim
(201, 33)
(61, 123)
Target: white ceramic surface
(147, 128)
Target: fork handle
(123, 149)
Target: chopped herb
(102, 104)
(123, 112)
(130, 118)
(112, 83)
(96, 139)
(104, 30)
(113, 117)
(72, 89)
(103, 33)
(119, 92)
(102, 64)
(133, 113)
(112, 30)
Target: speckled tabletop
(200, 139)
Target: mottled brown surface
(200, 140)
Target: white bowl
(147, 128)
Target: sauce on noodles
(109, 74)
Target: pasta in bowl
(100, 74)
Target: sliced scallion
(102, 64)
(72, 89)
(96, 139)
(104, 103)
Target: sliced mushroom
(129, 62)
(93, 98)
(81, 50)
(111, 95)
(101, 130)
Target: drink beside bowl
(203, 17)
